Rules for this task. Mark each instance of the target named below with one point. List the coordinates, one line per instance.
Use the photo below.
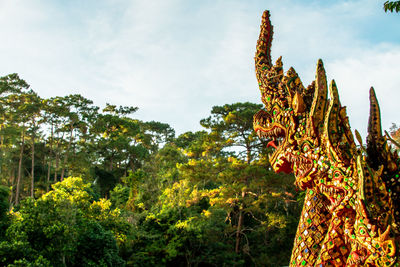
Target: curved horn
(331, 129)
(375, 142)
(318, 106)
(263, 52)
(374, 122)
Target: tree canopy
(85, 186)
(392, 6)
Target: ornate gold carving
(350, 215)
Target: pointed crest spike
(350, 188)
(319, 102)
(263, 50)
(359, 139)
(263, 65)
(331, 129)
(374, 122)
(376, 143)
(278, 62)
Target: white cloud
(339, 34)
(175, 59)
(378, 67)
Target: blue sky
(175, 59)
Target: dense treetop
(84, 186)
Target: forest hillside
(84, 186)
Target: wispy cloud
(378, 67)
(175, 59)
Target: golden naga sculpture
(351, 209)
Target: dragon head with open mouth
(302, 124)
(311, 135)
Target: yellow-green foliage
(62, 224)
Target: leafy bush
(64, 227)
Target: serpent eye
(363, 231)
(337, 175)
(306, 147)
(275, 111)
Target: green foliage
(4, 220)
(119, 196)
(96, 247)
(182, 235)
(39, 262)
(391, 6)
(208, 184)
(105, 180)
(62, 226)
(233, 125)
(146, 198)
(190, 226)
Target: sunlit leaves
(62, 224)
(392, 6)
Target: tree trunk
(1, 136)
(49, 158)
(240, 225)
(248, 154)
(66, 153)
(12, 175)
(33, 160)
(240, 220)
(57, 157)
(1, 148)
(132, 165)
(111, 160)
(57, 162)
(48, 173)
(20, 165)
